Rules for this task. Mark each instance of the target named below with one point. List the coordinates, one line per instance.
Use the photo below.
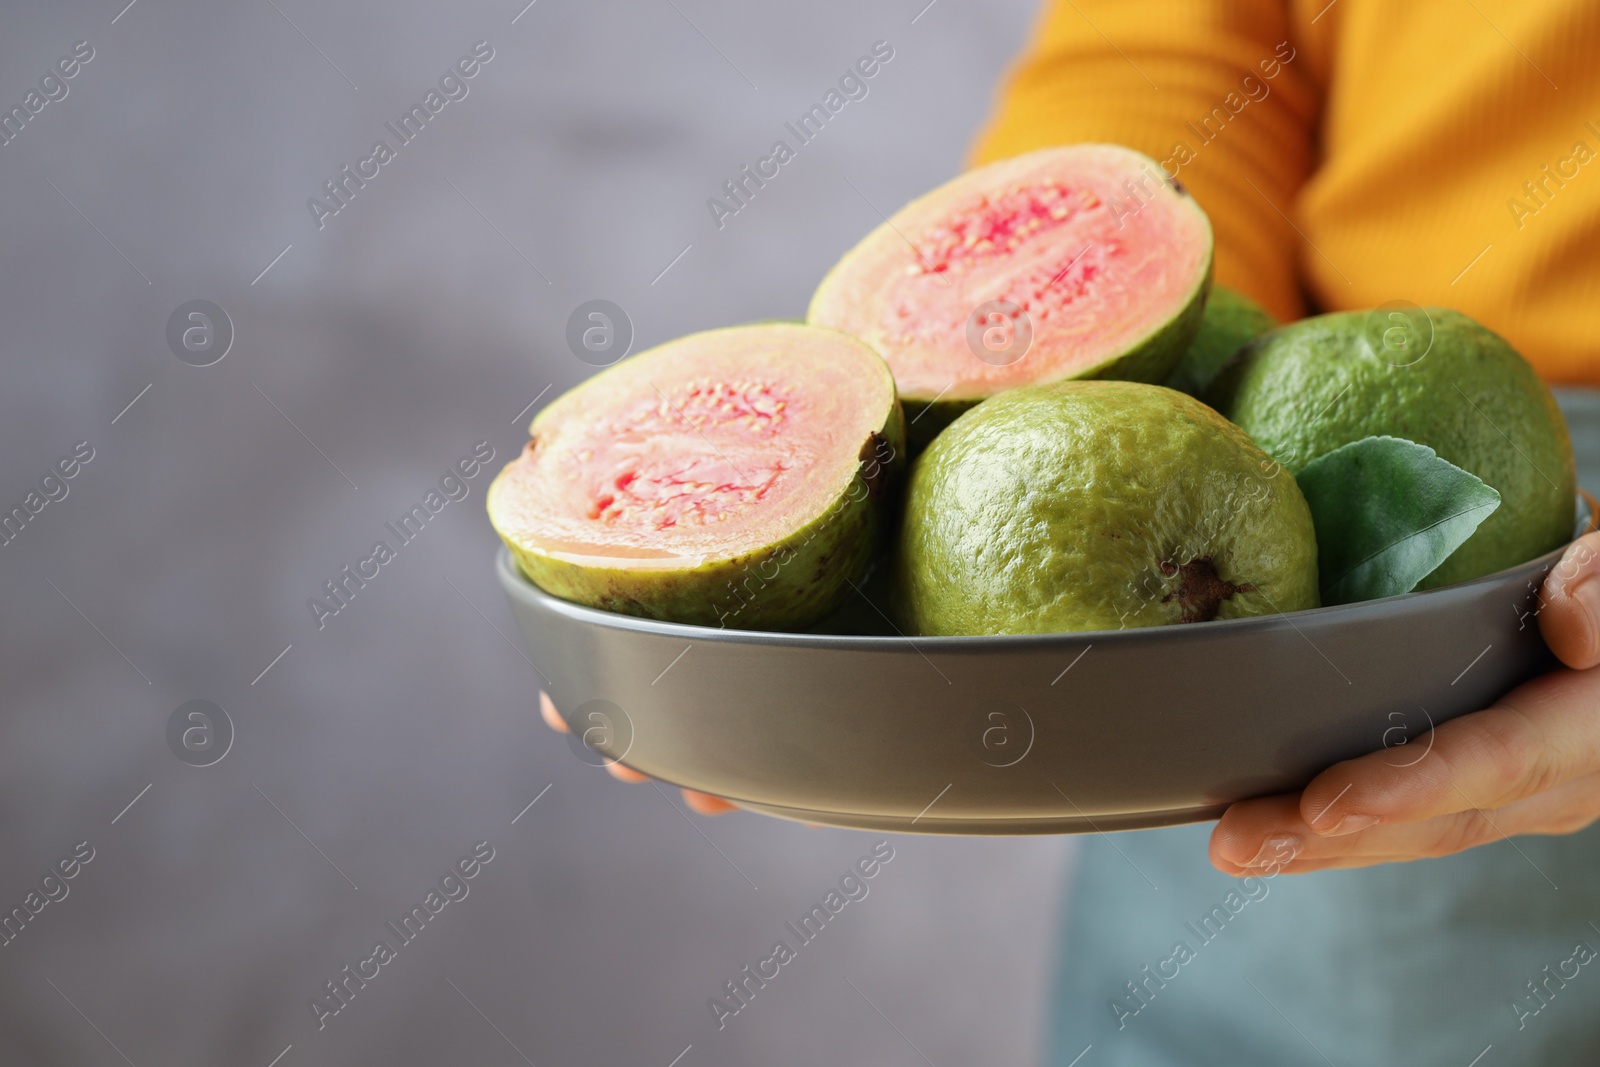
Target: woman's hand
(704, 803)
(1528, 765)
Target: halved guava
(1085, 261)
(735, 478)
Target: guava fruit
(737, 477)
(1083, 261)
(1231, 321)
(1428, 375)
(1098, 505)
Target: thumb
(1569, 617)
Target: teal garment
(1412, 965)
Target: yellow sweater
(1355, 152)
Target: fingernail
(1351, 824)
(1277, 848)
(548, 712)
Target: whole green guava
(1230, 321)
(1428, 375)
(1098, 505)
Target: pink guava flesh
(1098, 250)
(632, 490)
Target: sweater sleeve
(1214, 90)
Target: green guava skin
(1231, 321)
(1148, 361)
(788, 585)
(1080, 505)
(1305, 389)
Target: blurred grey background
(427, 315)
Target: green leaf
(1387, 512)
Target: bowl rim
(518, 584)
(1586, 519)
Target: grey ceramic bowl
(1054, 733)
